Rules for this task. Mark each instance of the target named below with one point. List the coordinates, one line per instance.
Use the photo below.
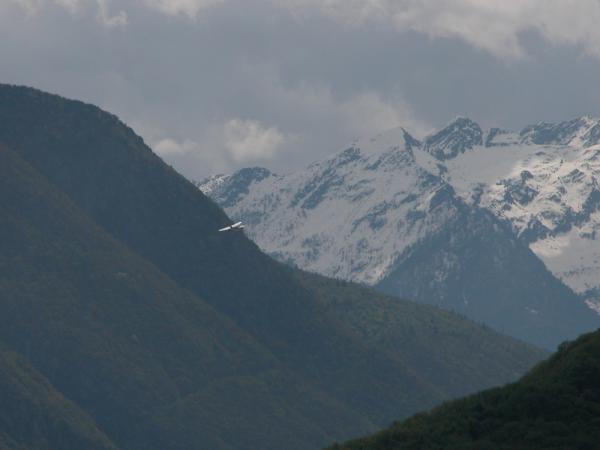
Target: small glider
(235, 226)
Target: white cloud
(363, 114)
(248, 140)
(494, 26)
(102, 7)
(29, 6)
(241, 140)
(350, 11)
(70, 5)
(360, 115)
(194, 158)
(264, 87)
(170, 147)
(189, 8)
(218, 146)
(491, 25)
(118, 19)
(366, 114)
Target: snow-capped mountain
(371, 213)
(544, 182)
(340, 217)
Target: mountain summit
(458, 136)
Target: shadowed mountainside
(35, 415)
(555, 406)
(118, 289)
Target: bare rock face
(457, 137)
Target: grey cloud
(189, 8)
(217, 85)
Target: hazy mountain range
(497, 225)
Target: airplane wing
(235, 226)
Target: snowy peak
(457, 137)
(354, 214)
(582, 132)
(230, 188)
(395, 139)
(398, 214)
(428, 219)
(342, 216)
(209, 184)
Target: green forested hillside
(117, 288)
(128, 345)
(34, 415)
(409, 331)
(555, 406)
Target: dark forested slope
(409, 331)
(555, 406)
(128, 345)
(34, 415)
(117, 287)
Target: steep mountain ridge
(459, 136)
(362, 213)
(579, 132)
(143, 202)
(545, 185)
(126, 344)
(120, 290)
(555, 406)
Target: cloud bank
(214, 85)
(491, 25)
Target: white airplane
(235, 226)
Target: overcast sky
(215, 85)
